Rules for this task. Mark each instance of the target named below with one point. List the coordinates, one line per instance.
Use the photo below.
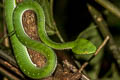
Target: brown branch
(11, 68)
(8, 74)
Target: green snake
(21, 41)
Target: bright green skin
(79, 46)
(20, 51)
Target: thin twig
(109, 6)
(75, 76)
(78, 74)
(103, 27)
(97, 51)
(59, 35)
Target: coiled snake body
(20, 40)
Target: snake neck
(45, 38)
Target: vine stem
(51, 7)
(53, 22)
(59, 35)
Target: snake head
(83, 46)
